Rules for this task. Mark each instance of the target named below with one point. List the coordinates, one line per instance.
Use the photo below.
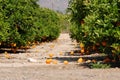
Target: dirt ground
(21, 67)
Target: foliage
(99, 65)
(100, 26)
(23, 21)
(64, 23)
(19, 15)
(47, 24)
(77, 11)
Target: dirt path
(19, 68)
(40, 52)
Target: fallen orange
(72, 53)
(48, 61)
(81, 45)
(51, 55)
(80, 60)
(65, 62)
(61, 53)
(82, 50)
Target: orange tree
(101, 28)
(23, 21)
(19, 14)
(47, 24)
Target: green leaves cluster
(101, 23)
(24, 20)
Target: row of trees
(24, 21)
(96, 24)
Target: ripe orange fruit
(48, 61)
(14, 45)
(72, 52)
(60, 53)
(94, 61)
(81, 45)
(51, 55)
(88, 61)
(66, 62)
(80, 60)
(82, 50)
(29, 42)
(104, 43)
(106, 60)
(7, 55)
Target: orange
(106, 60)
(88, 61)
(82, 50)
(94, 61)
(14, 45)
(29, 42)
(7, 55)
(80, 60)
(81, 45)
(61, 53)
(66, 62)
(48, 61)
(51, 55)
(72, 52)
(104, 43)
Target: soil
(31, 64)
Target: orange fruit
(48, 61)
(80, 60)
(94, 61)
(61, 53)
(65, 62)
(51, 55)
(104, 43)
(88, 61)
(14, 45)
(72, 52)
(106, 60)
(7, 55)
(29, 42)
(82, 50)
(81, 45)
